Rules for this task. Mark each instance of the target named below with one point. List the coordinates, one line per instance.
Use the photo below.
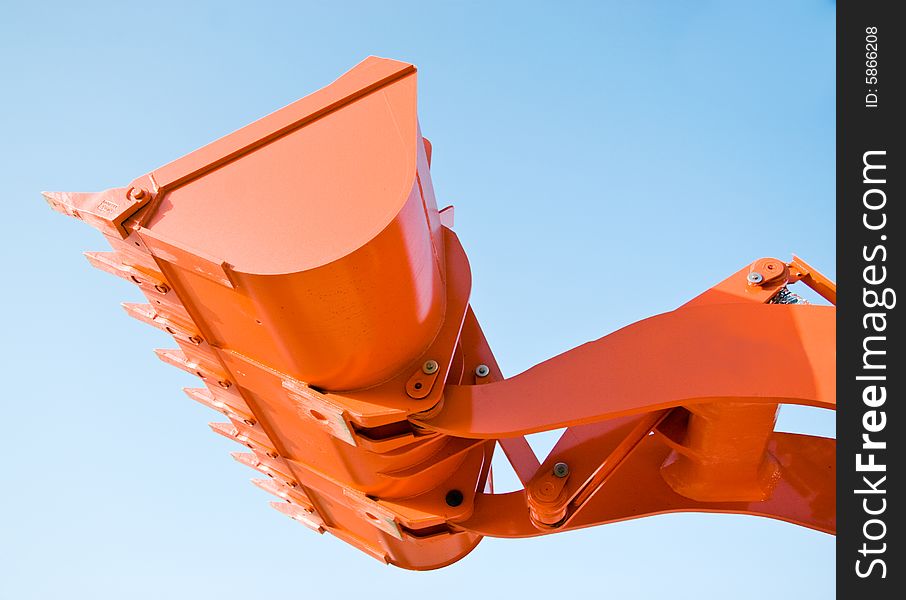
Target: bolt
(137, 193)
(561, 470)
(482, 370)
(430, 367)
(755, 277)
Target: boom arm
(674, 413)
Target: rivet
(482, 370)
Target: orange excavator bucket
(309, 280)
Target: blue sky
(592, 150)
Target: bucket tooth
(232, 409)
(272, 487)
(294, 495)
(110, 262)
(248, 459)
(141, 312)
(255, 436)
(226, 430)
(234, 433)
(179, 359)
(105, 211)
(148, 314)
(252, 460)
(297, 513)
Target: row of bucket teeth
(295, 502)
(197, 358)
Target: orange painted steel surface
(308, 278)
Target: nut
(430, 367)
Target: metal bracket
(316, 406)
(374, 513)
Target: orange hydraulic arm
(309, 280)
